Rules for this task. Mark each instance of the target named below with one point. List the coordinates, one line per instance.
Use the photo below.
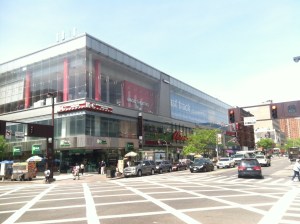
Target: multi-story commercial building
(291, 127)
(106, 103)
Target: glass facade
(88, 70)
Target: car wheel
(192, 171)
(213, 168)
(218, 167)
(160, 171)
(152, 172)
(239, 176)
(139, 173)
(204, 169)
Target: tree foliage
(3, 146)
(200, 141)
(292, 143)
(265, 143)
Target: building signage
(178, 137)
(65, 142)
(129, 146)
(17, 150)
(85, 106)
(36, 149)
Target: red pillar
(97, 80)
(66, 81)
(27, 90)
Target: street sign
(249, 121)
(19, 134)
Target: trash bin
(110, 173)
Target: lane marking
(183, 217)
(14, 217)
(275, 214)
(91, 212)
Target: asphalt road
(217, 197)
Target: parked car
(263, 160)
(179, 166)
(202, 165)
(225, 162)
(163, 166)
(249, 167)
(140, 168)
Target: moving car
(263, 160)
(202, 165)
(225, 162)
(140, 168)
(163, 166)
(249, 167)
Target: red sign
(178, 137)
(85, 106)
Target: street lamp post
(50, 141)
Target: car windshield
(198, 162)
(158, 163)
(224, 159)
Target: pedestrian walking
(296, 170)
(81, 169)
(47, 176)
(75, 171)
(103, 165)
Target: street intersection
(178, 197)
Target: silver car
(140, 168)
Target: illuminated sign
(85, 106)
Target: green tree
(266, 143)
(3, 146)
(200, 141)
(292, 143)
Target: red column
(97, 80)
(27, 90)
(66, 81)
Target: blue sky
(239, 51)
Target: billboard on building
(138, 97)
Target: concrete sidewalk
(64, 177)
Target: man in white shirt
(296, 170)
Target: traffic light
(274, 111)
(231, 116)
